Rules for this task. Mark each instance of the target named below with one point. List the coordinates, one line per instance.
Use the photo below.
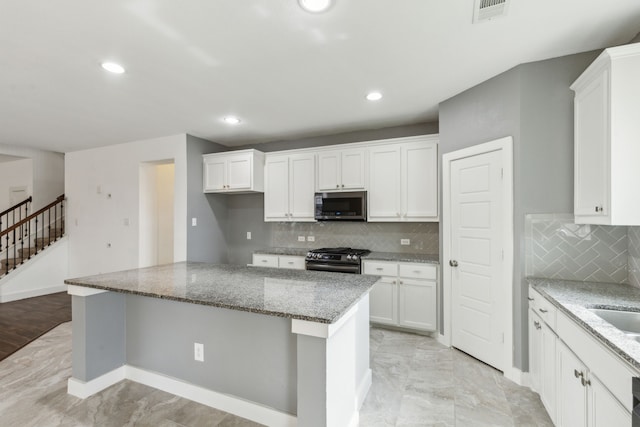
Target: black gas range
(342, 260)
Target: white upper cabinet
(403, 181)
(233, 172)
(341, 170)
(289, 187)
(607, 131)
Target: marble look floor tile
(415, 382)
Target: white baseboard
(15, 296)
(516, 375)
(83, 389)
(442, 340)
(224, 402)
(363, 389)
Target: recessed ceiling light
(315, 6)
(374, 96)
(112, 67)
(231, 120)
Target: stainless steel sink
(627, 321)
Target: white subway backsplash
(378, 237)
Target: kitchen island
(280, 347)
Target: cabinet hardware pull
(577, 374)
(453, 263)
(585, 383)
(379, 268)
(599, 209)
(537, 324)
(264, 260)
(400, 282)
(342, 185)
(530, 299)
(542, 310)
(337, 186)
(417, 271)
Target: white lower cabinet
(572, 391)
(580, 382)
(278, 261)
(404, 296)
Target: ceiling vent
(485, 10)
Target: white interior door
(477, 285)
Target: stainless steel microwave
(341, 206)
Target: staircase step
(26, 253)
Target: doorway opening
(156, 213)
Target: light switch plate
(194, 222)
(198, 352)
(248, 235)
(311, 238)
(405, 242)
(301, 239)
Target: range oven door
(332, 267)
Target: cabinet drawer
(418, 271)
(543, 308)
(263, 260)
(381, 268)
(295, 262)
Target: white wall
(102, 189)
(16, 173)
(48, 173)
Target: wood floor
(23, 321)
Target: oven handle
(339, 268)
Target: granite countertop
(297, 294)
(576, 298)
(283, 251)
(373, 256)
(403, 257)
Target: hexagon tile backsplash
(375, 236)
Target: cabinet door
(383, 302)
(417, 304)
(535, 354)
(419, 182)
(302, 187)
(239, 170)
(214, 174)
(352, 169)
(604, 408)
(384, 183)
(329, 171)
(572, 394)
(548, 368)
(592, 151)
(276, 191)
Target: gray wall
(207, 241)
(533, 104)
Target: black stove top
(340, 251)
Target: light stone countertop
(297, 294)
(283, 251)
(373, 256)
(576, 298)
(403, 257)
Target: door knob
(453, 263)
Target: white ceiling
(285, 73)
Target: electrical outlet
(248, 235)
(194, 222)
(311, 238)
(405, 242)
(198, 352)
(301, 239)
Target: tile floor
(416, 382)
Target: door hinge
(501, 173)
(502, 338)
(502, 252)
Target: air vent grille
(486, 10)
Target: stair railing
(8, 216)
(17, 237)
